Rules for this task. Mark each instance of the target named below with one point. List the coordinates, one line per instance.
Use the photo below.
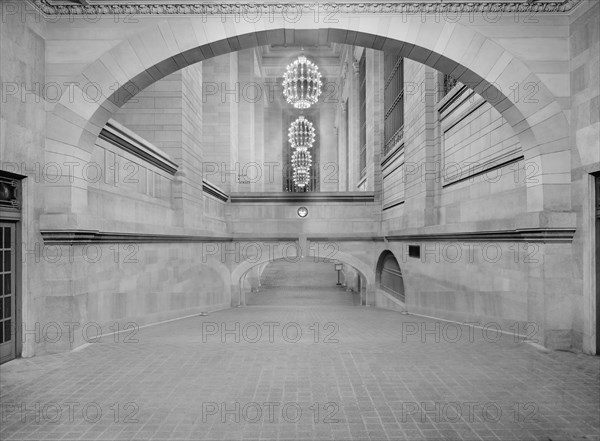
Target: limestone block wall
(419, 138)
(156, 114)
(461, 161)
(562, 50)
(502, 284)
(351, 88)
(247, 149)
(214, 214)
(103, 287)
(343, 123)
(584, 67)
(23, 72)
(275, 139)
(375, 119)
(124, 189)
(192, 145)
(325, 218)
(168, 113)
(475, 137)
(463, 170)
(494, 199)
(482, 172)
(216, 118)
(328, 139)
(393, 199)
(468, 281)
(94, 285)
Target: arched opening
(389, 276)
(76, 123)
(306, 281)
(182, 47)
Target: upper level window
(393, 100)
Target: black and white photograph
(354, 220)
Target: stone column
(354, 132)
(375, 124)
(274, 136)
(421, 152)
(370, 291)
(217, 120)
(327, 163)
(236, 295)
(342, 146)
(247, 122)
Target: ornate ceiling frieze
(228, 7)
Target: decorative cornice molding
(73, 237)
(228, 7)
(323, 197)
(520, 235)
(540, 235)
(334, 238)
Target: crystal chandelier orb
(301, 158)
(301, 133)
(301, 177)
(302, 83)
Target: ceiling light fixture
(302, 83)
(301, 133)
(301, 158)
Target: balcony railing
(393, 141)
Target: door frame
(13, 216)
(16, 297)
(591, 284)
(595, 276)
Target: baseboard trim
(220, 307)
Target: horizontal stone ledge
(284, 197)
(73, 237)
(501, 161)
(334, 238)
(392, 205)
(392, 155)
(214, 191)
(519, 235)
(125, 139)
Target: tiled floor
(325, 372)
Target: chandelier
(301, 158)
(301, 133)
(301, 177)
(302, 83)
(301, 137)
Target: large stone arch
(175, 43)
(238, 272)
